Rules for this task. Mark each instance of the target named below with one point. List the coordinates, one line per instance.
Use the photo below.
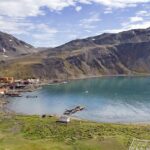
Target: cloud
(78, 8)
(131, 25)
(22, 26)
(136, 19)
(25, 8)
(41, 34)
(120, 3)
(44, 35)
(15, 25)
(141, 25)
(141, 20)
(108, 10)
(21, 8)
(90, 22)
(113, 30)
(143, 13)
(43, 28)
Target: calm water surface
(111, 99)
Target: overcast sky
(53, 22)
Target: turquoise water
(109, 99)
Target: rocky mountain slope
(124, 53)
(11, 46)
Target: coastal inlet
(106, 99)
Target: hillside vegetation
(36, 133)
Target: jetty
(74, 110)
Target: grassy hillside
(35, 133)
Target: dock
(74, 110)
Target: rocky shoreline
(3, 108)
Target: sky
(50, 23)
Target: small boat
(86, 92)
(14, 95)
(65, 82)
(29, 96)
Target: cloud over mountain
(24, 8)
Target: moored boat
(14, 94)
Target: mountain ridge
(124, 53)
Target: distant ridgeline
(123, 53)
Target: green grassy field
(35, 133)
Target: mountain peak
(11, 46)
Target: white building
(64, 119)
(35, 81)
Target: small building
(16, 86)
(3, 91)
(64, 119)
(34, 81)
(6, 79)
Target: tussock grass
(33, 133)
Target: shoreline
(51, 82)
(10, 112)
(3, 107)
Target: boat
(13, 94)
(65, 82)
(29, 96)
